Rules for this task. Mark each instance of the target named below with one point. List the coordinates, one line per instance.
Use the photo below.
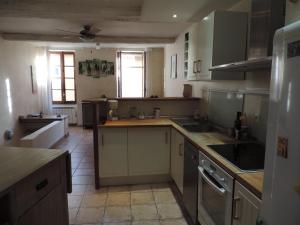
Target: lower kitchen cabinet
(49, 211)
(177, 158)
(246, 206)
(34, 186)
(148, 151)
(113, 152)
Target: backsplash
(222, 107)
(167, 107)
(256, 108)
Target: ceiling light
(174, 15)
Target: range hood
(266, 17)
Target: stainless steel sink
(192, 125)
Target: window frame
(119, 72)
(62, 70)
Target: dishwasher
(190, 179)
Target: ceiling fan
(88, 33)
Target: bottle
(237, 126)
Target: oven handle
(221, 191)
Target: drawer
(36, 186)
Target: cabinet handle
(69, 173)
(195, 67)
(235, 202)
(199, 66)
(166, 137)
(102, 140)
(180, 149)
(41, 185)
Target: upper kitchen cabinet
(220, 38)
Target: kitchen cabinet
(87, 114)
(219, 38)
(246, 206)
(148, 151)
(177, 158)
(49, 211)
(113, 152)
(33, 186)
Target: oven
(214, 193)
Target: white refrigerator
(281, 193)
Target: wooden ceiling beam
(70, 10)
(76, 39)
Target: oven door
(214, 201)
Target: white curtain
(43, 80)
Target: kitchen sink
(192, 125)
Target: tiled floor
(151, 204)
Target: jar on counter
(156, 113)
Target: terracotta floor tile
(117, 214)
(142, 198)
(144, 212)
(169, 211)
(118, 198)
(90, 215)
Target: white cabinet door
(246, 206)
(192, 51)
(177, 158)
(149, 151)
(205, 40)
(113, 152)
(219, 38)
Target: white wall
(15, 61)
(88, 87)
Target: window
(131, 74)
(62, 75)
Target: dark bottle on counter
(237, 126)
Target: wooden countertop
(252, 181)
(18, 163)
(137, 123)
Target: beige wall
(15, 61)
(88, 87)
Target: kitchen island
(34, 185)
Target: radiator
(70, 111)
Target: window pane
(69, 84)
(132, 82)
(69, 72)
(70, 95)
(132, 60)
(55, 59)
(56, 83)
(56, 95)
(55, 71)
(69, 59)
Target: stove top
(246, 156)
